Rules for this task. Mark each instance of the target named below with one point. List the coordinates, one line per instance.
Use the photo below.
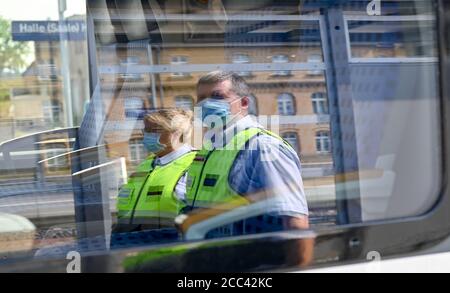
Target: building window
(320, 103)
(134, 107)
(286, 104)
(130, 61)
(184, 102)
(253, 106)
(323, 142)
(292, 139)
(315, 58)
(179, 60)
(46, 71)
(137, 151)
(281, 59)
(51, 110)
(56, 160)
(241, 59)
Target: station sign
(24, 31)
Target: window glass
(242, 59)
(286, 104)
(185, 102)
(320, 103)
(86, 135)
(137, 151)
(323, 142)
(292, 139)
(396, 39)
(281, 59)
(179, 60)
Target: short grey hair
(239, 86)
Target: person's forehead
(221, 88)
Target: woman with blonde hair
(155, 193)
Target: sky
(38, 9)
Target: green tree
(12, 54)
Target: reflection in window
(320, 103)
(46, 71)
(129, 62)
(392, 39)
(184, 102)
(242, 59)
(281, 58)
(286, 104)
(134, 107)
(292, 139)
(51, 110)
(180, 60)
(253, 107)
(323, 142)
(137, 151)
(314, 58)
(57, 161)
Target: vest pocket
(154, 192)
(210, 180)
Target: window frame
(322, 140)
(281, 73)
(236, 59)
(317, 100)
(284, 103)
(135, 145)
(295, 137)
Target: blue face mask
(152, 143)
(215, 107)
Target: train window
(398, 40)
(343, 125)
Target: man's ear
(245, 102)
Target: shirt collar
(170, 157)
(222, 138)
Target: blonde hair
(173, 120)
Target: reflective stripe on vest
(207, 182)
(149, 193)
